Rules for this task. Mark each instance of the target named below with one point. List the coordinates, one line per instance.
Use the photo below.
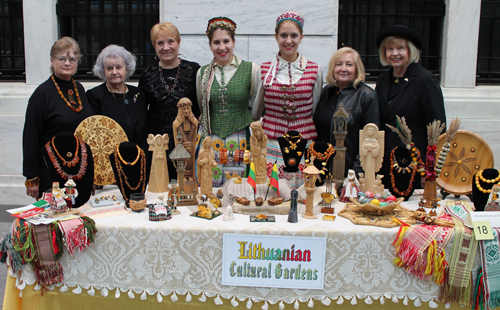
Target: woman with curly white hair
(122, 102)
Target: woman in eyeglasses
(56, 107)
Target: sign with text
(273, 261)
(492, 216)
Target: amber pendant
(299, 153)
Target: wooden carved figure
(371, 149)
(187, 125)
(311, 174)
(258, 147)
(158, 179)
(206, 160)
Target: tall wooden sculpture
(340, 132)
(258, 147)
(158, 179)
(371, 154)
(186, 125)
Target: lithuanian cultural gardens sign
(273, 261)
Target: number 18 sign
(482, 222)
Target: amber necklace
(293, 145)
(68, 103)
(59, 169)
(321, 156)
(123, 177)
(75, 159)
(479, 176)
(395, 166)
(126, 162)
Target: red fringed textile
(75, 235)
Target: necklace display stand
(292, 147)
(129, 167)
(64, 158)
(402, 184)
(482, 193)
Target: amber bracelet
(223, 156)
(32, 182)
(236, 156)
(240, 156)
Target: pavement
(5, 223)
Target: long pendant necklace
(396, 167)
(323, 157)
(68, 103)
(59, 169)
(291, 144)
(123, 177)
(169, 89)
(124, 93)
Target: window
(11, 40)
(96, 24)
(359, 21)
(488, 52)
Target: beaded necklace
(124, 93)
(323, 157)
(395, 166)
(59, 169)
(70, 92)
(169, 89)
(75, 159)
(123, 177)
(479, 176)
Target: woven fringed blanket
(48, 271)
(488, 288)
(458, 280)
(420, 250)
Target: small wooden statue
(258, 147)
(206, 160)
(371, 154)
(187, 125)
(350, 187)
(310, 175)
(158, 180)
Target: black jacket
(420, 101)
(361, 104)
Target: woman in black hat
(406, 90)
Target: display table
(136, 263)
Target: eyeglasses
(64, 59)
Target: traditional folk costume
(225, 94)
(288, 92)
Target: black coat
(420, 101)
(361, 104)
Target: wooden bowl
(372, 209)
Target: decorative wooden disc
(468, 154)
(103, 135)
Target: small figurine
(292, 214)
(494, 199)
(71, 192)
(173, 196)
(350, 187)
(311, 174)
(228, 214)
(160, 207)
(58, 200)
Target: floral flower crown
(221, 22)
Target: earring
(156, 57)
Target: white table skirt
(184, 255)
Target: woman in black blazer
(407, 90)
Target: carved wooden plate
(102, 134)
(468, 154)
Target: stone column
(460, 39)
(40, 32)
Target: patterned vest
(229, 111)
(290, 107)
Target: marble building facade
(477, 106)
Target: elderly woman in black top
(345, 77)
(167, 81)
(407, 90)
(122, 102)
(56, 107)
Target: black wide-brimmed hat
(400, 31)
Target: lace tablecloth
(183, 256)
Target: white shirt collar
(299, 63)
